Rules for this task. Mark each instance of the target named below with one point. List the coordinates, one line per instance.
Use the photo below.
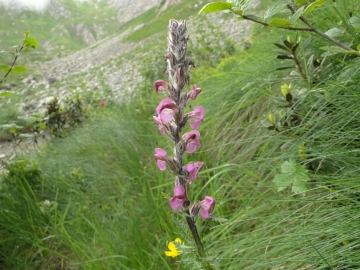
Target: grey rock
(6, 86)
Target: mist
(37, 5)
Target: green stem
(15, 58)
(310, 28)
(192, 226)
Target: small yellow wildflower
(285, 89)
(271, 118)
(173, 251)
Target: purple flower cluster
(171, 119)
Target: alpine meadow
(180, 134)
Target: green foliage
(90, 199)
(28, 42)
(287, 15)
(58, 119)
(216, 6)
(292, 174)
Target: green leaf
(335, 33)
(334, 50)
(4, 67)
(253, 17)
(243, 4)
(282, 47)
(279, 22)
(358, 47)
(312, 6)
(19, 69)
(31, 42)
(297, 14)
(42, 126)
(292, 174)
(6, 94)
(238, 11)
(355, 22)
(27, 33)
(216, 6)
(11, 126)
(299, 2)
(275, 9)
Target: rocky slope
(105, 64)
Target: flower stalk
(171, 120)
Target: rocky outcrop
(57, 11)
(83, 32)
(129, 9)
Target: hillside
(243, 155)
(105, 63)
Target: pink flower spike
(192, 140)
(160, 125)
(196, 116)
(161, 85)
(178, 199)
(193, 169)
(194, 92)
(208, 207)
(102, 103)
(160, 157)
(166, 110)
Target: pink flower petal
(193, 169)
(175, 203)
(161, 164)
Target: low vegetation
(280, 142)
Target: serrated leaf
(266, 123)
(216, 6)
(6, 94)
(355, 21)
(292, 174)
(279, 22)
(335, 50)
(312, 6)
(299, 186)
(31, 42)
(335, 33)
(275, 9)
(4, 67)
(243, 4)
(19, 69)
(296, 15)
(282, 181)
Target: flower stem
(192, 226)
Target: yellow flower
(285, 89)
(173, 251)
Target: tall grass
(97, 200)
